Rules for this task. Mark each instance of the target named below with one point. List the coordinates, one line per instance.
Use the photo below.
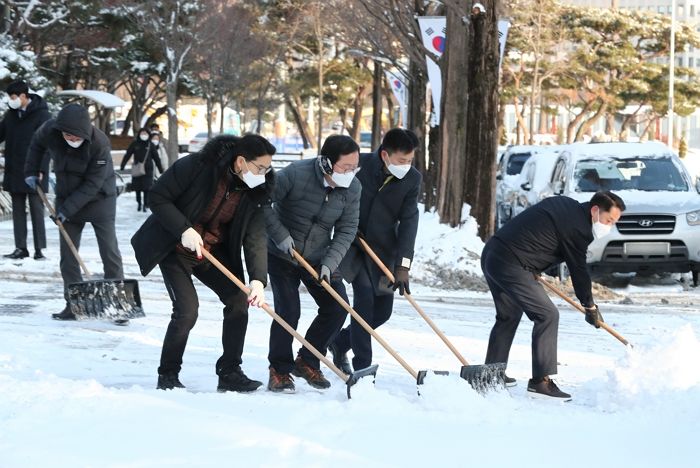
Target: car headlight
(693, 218)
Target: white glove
(192, 240)
(257, 294)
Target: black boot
(169, 381)
(18, 254)
(38, 255)
(340, 359)
(545, 387)
(65, 314)
(237, 381)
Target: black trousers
(19, 220)
(374, 309)
(177, 270)
(107, 244)
(515, 290)
(285, 278)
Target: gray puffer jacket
(322, 222)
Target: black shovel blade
(486, 377)
(358, 374)
(423, 373)
(111, 299)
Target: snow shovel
(580, 308)
(118, 300)
(481, 377)
(349, 380)
(418, 376)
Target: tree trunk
(521, 122)
(295, 106)
(171, 100)
(573, 123)
(357, 112)
(209, 106)
(453, 117)
(482, 136)
(416, 122)
(377, 105)
(586, 125)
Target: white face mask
(600, 229)
(155, 142)
(399, 171)
(252, 180)
(74, 144)
(143, 137)
(14, 103)
(343, 180)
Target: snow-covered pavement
(83, 393)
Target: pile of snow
(447, 257)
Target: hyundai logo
(645, 223)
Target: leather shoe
(18, 254)
(340, 359)
(65, 314)
(39, 256)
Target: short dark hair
(606, 200)
(252, 146)
(154, 125)
(336, 146)
(399, 139)
(17, 87)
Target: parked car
(365, 142)
(199, 140)
(507, 174)
(534, 179)
(660, 229)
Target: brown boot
(313, 376)
(279, 382)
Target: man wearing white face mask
(27, 112)
(557, 229)
(211, 200)
(389, 223)
(86, 190)
(313, 199)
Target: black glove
(593, 316)
(324, 274)
(59, 217)
(401, 280)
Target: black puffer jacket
(16, 130)
(307, 211)
(85, 182)
(183, 192)
(143, 152)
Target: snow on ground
(82, 394)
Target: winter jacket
(555, 230)
(388, 218)
(308, 211)
(85, 182)
(16, 130)
(182, 193)
(143, 152)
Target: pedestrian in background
(145, 155)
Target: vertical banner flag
(398, 86)
(433, 31)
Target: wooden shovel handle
(275, 316)
(354, 314)
(63, 231)
(413, 302)
(580, 308)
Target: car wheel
(695, 278)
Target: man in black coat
(388, 223)
(86, 189)
(557, 229)
(215, 200)
(28, 111)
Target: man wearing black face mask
(86, 189)
(28, 111)
(389, 223)
(557, 229)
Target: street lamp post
(671, 73)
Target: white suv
(507, 175)
(660, 229)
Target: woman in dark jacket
(212, 200)
(144, 153)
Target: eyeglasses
(260, 169)
(346, 169)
